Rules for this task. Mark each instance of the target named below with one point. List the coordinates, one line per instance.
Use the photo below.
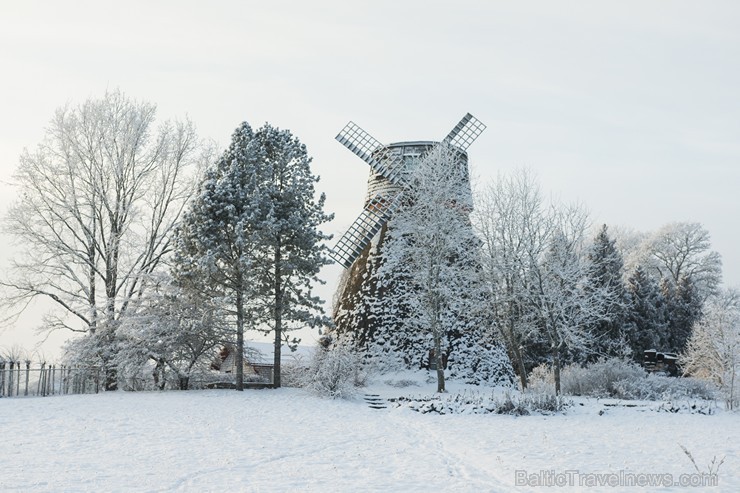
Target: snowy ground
(283, 440)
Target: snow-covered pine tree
(217, 240)
(605, 272)
(290, 245)
(252, 235)
(646, 320)
(683, 309)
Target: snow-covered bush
(517, 404)
(481, 364)
(621, 379)
(335, 373)
(656, 387)
(293, 371)
(600, 378)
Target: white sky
(630, 107)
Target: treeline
(158, 248)
(558, 296)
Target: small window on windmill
(407, 156)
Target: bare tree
(713, 350)
(512, 222)
(174, 329)
(562, 305)
(683, 250)
(97, 203)
(535, 270)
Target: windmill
(388, 180)
(373, 304)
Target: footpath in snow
(289, 440)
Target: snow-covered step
(374, 401)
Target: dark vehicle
(656, 362)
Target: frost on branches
(413, 298)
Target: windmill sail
(370, 150)
(375, 214)
(387, 163)
(465, 132)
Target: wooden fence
(22, 378)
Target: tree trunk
(518, 357)
(278, 317)
(239, 355)
(438, 358)
(556, 367)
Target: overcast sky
(631, 107)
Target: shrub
(335, 373)
(476, 403)
(621, 379)
(656, 387)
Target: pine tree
(646, 320)
(290, 245)
(252, 235)
(605, 270)
(217, 240)
(684, 308)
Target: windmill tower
(389, 171)
(362, 315)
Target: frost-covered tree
(605, 271)
(97, 202)
(217, 241)
(174, 331)
(560, 303)
(646, 320)
(683, 250)
(252, 235)
(291, 248)
(512, 221)
(536, 273)
(435, 254)
(713, 350)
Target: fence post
(2, 378)
(18, 378)
(28, 371)
(10, 378)
(41, 387)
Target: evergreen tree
(217, 240)
(290, 245)
(646, 321)
(684, 308)
(605, 270)
(252, 236)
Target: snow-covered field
(288, 440)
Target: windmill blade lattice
(389, 165)
(372, 151)
(375, 214)
(465, 132)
